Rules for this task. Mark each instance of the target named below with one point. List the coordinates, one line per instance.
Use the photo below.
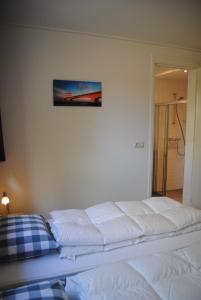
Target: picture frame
(77, 93)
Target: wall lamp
(5, 201)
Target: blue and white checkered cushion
(24, 236)
(47, 290)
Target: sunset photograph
(77, 93)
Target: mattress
(52, 266)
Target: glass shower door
(160, 149)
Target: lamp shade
(5, 200)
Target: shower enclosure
(169, 147)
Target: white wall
(65, 157)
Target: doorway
(170, 100)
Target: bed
(51, 266)
(183, 230)
(167, 275)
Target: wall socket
(139, 145)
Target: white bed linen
(52, 266)
(71, 252)
(110, 282)
(112, 225)
(114, 222)
(168, 275)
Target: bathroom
(170, 99)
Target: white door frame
(190, 125)
(190, 133)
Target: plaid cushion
(48, 290)
(23, 237)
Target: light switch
(139, 145)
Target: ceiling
(170, 73)
(166, 22)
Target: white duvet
(173, 275)
(116, 224)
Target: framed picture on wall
(77, 93)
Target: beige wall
(165, 88)
(65, 157)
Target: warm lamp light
(5, 201)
